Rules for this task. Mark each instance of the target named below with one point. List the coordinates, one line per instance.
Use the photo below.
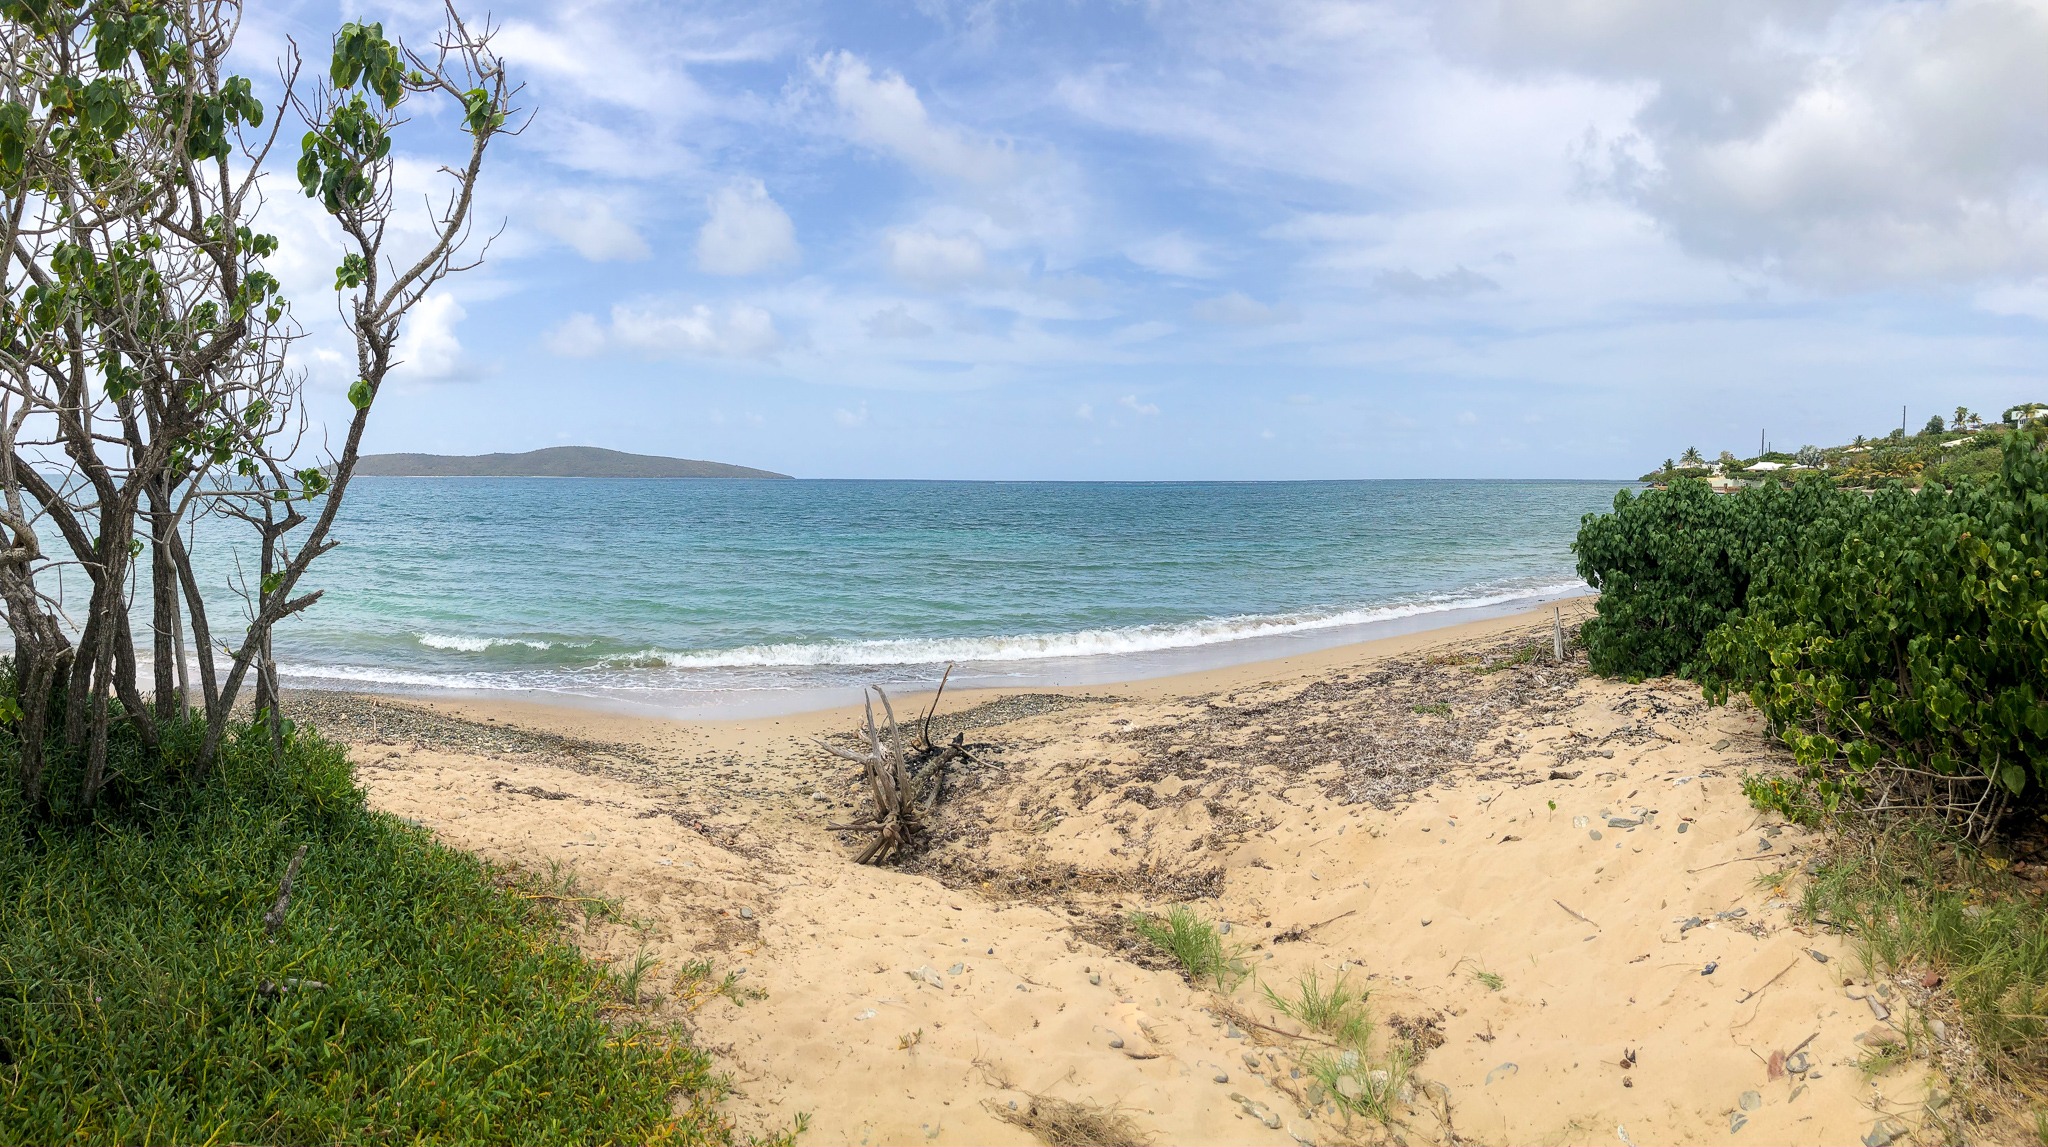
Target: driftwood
(275, 916)
(898, 775)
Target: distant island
(552, 462)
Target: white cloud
(590, 224)
(1171, 254)
(1143, 409)
(884, 112)
(935, 261)
(748, 232)
(579, 336)
(1241, 310)
(851, 419)
(427, 346)
(662, 329)
(896, 322)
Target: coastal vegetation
(162, 980)
(205, 934)
(1893, 637)
(147, 382)
(1940, 453)
(551, 462)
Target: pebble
(1881, 1135)
(1709, 969)
(1939, 1028)
(1732, 914)
(1251, 1061)
(1223, 1077)
(1689, 923)
(1751, 1100)
(1116, 1041)
(1818, 956)
(820, 797)
(1095, 978)
(956, 969)
(1683, 826)
(746, 913)
(1425, 921)
(1579, 822)
(1621, 822)
(1595, 834)
(1737, 1121)
(1877, 1009)
(1224, 928)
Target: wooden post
(1557, 631)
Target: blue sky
(1467, 238)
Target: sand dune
(1536, 875)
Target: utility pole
(1902, 418)
(1759, 443)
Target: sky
(1274, 240)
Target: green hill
(552, 462)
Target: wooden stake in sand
(1557, 631)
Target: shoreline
(1102, 670)
(1538, 876)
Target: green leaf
(360, 394)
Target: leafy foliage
(1896, 639)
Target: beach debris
(1579, 822)
(1881, 1135)
(900, 776)
(925, 974)
(1562, 775)
(1775, 1069)
(1622, 822)
(1569, 912)
(1502, 1072)
(1683, 826)
(746, 913)
(1595, 834)
(1750, 1101)
(1796, 1063)
(1628, 1057)
(1223, 1077)
(1877, 1009)
(1737, 1121)
(1689, 923)
(1709, 969)
(1819, 956)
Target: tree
(1811, 456)
(1669, 466)
(1691, 457)
(1934, 425)
(144, 380)
(1963, 417)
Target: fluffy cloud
(667, 330)
(1843, 144)
(884, 112)
(427, 345)
(590, 224)
(748, 232)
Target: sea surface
(688, 596)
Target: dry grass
(1063, 1123)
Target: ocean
(707, 596)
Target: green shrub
(409, 996)
(1908, 631)
(1674, 565)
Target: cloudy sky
(1051, 239)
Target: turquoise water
(663, 591)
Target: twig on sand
(1750, 995)
(1737, 860)
(1572, 914)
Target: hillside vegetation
(1941, 453)
(552, 462)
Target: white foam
(1082, 643)
(464, 644)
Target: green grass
(1917, 899)
(1434, 709)
(1492, 980)
(1195, 943)
(132, 950)
(1357, 1088)
(1336, 1009)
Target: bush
(1909, 631)
(1898, 641)
(409, 996)
(1674, 565)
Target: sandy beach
(1572, 925)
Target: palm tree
(1668, 466)
(1691, 457)
(1962, 416)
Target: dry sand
(1408, 814)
